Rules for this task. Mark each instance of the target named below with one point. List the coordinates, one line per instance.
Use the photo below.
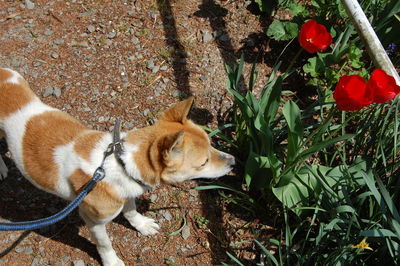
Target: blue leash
(32, 225)
(97, 176)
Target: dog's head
(178, 149)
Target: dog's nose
(231, 160)
(228, 158)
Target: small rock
(130, 125)
(91, 28)
(135, 40)
(57, 92)
(36, 261)
(48, 91)
(153, 197)
(150, 64)
(145, 249)
(48, 32)
(29, 4)
(80, 44)
(26, 250)
(178, 94)
(194, 193)
(203, 78)
(163, 68)
(146, 112)
(54, 55)
(78, 263)
(207, 36)
(155, 69)
(186, 232)
(59, 41)
(167, 215)
(111, 35)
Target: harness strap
(118, 150)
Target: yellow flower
(362, 245)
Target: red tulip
(314, 37)
(382, 86)
(351, 93)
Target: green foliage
(336, 178)
(282, 30)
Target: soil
(99, 60)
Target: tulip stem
(293, 60)
(344, 133)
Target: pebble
(78, 263)
(135, 40)
(91, 28)
(48, 91)
(59, 41)
(80, 44)
(150, 64)
(48, 32)
(185, 232)
(155, 69)
(207, 36)
(57, 92)
(167, 215)
(203, 78)
(26, 250)
(153, 197)
(111, 35)
(129, 125)
(54, 55)
(177, 93)
(146, 112)
(29, 4)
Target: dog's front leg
(102, 241)
(146, 226)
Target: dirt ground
(99, 60)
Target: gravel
(186, 232)
(167, 215)
(91, 28)
(78, 263)
(29, 4)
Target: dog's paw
(115, 262)
(119, 262)
(146, 226)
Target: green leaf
(258, 171)
(320, 146)
(266, 252)
(234, 259)
(378, 233)
(314, 67)
(298, 9)
(297, 191)
(292, 114)
(282, 30)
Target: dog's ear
(178, 112)
(172, 146)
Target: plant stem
(344, 133)
(293, 61)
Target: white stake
(371, 40)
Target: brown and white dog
(58, 154)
